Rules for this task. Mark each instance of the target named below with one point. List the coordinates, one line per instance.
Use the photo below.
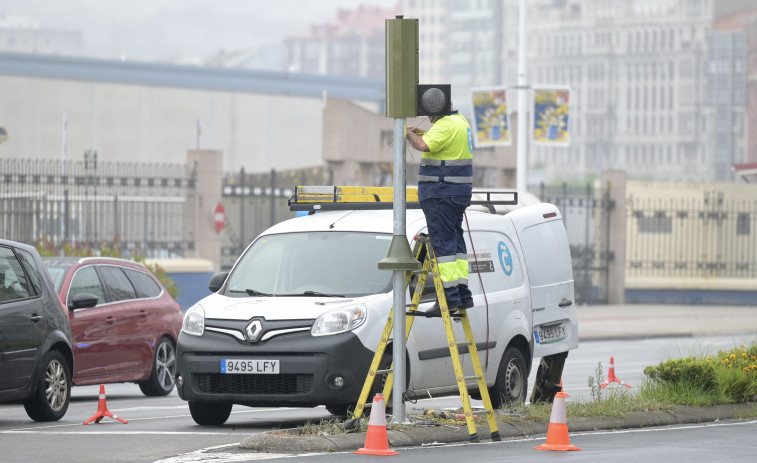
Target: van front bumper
(313, 370)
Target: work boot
(436, 310)
(467, 304)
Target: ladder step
(464, 343)
(472, 377)
(380, 372)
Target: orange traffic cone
(611, 378)
(102, 410)
(376, 441)
(557, 433)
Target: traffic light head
(434, 100)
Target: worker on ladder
(445, 183)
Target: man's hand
(414, 136)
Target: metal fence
(138, 208)
(691, 238)
(586, 215)
(255, 202)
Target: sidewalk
(598, 322)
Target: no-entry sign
(219, 217)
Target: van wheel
(162, 377)
(339, 409)
(380, 381)
(209, 413)
(511, 384)
(53, 391)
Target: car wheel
(53, 391)
(162, 379)
(209, 413)
(511, 384)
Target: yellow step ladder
(424, 253)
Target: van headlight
(194, 321)
(339, 321)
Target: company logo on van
(505, 258)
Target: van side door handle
(565, 303)
(35, 317)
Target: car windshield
(313, 264)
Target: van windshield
(313, 264)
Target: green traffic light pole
(401, 82)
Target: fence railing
(673, 238)
(137, 207)
(586, 215)
(141, 208)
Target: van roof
(380, 221)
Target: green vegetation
(729, 377)
(695, 380)
(45, 248)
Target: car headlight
(339, 321)
(194, 321)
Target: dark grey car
(36, 360)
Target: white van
(297, 320)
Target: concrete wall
(200, 203)
(143, 123)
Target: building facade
(350, 45)
(643, 97)
(80, 109)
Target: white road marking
(210, 456)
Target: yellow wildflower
(743, 354)
(733, 356)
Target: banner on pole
(550, 116)
(491, 122)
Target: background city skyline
(180, 31)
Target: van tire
(53, 390)
(339, 409)
(209, 413)
(511, 384)
(380, 381)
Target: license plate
(550, 334)
(254, 367)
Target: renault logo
(253, 331)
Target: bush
(729, 378)
(689, 370)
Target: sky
(162, 30)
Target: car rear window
(144, 284)
(119, 287)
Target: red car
(129, 334)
